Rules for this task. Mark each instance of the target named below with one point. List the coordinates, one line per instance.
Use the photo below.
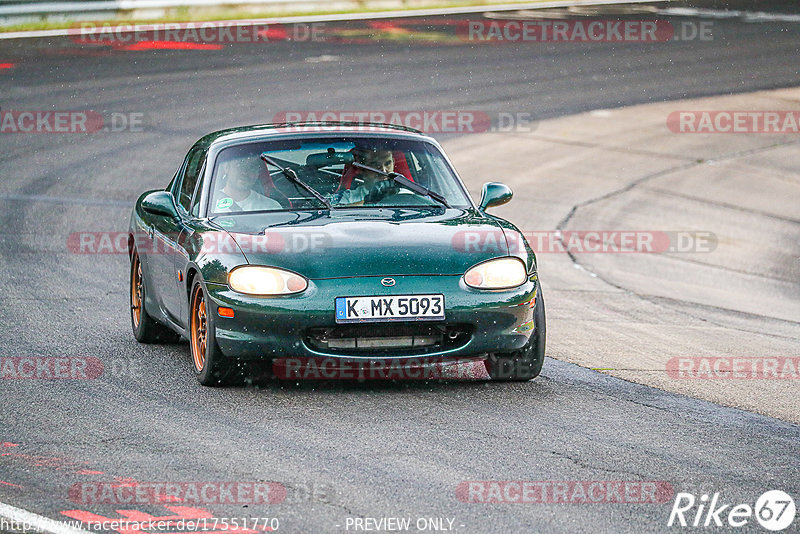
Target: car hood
(387, 242)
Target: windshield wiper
(291, 175)
(405, 182)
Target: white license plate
(389, 308)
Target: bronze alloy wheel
(199, 328)
(136, 292)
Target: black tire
(526, 363)
(211, 367)
(145, 328)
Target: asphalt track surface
(342, 450)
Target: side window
(194, 165)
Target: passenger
(374, 186)
(239, 177)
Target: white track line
(38, 522)
(341, 17)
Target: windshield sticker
(224, 203)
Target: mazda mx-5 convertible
(339, 241)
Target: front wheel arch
(526, 363)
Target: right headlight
(500, 273)
(266, 281)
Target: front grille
(388, 338)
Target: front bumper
(282, 327)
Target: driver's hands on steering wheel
(380, 191)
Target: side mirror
(160, 203)
(494, 194)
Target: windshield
(332, 172)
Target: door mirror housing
(160, 203)
(494, 194)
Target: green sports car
(345, 242)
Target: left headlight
(254, 280)
(500, 273)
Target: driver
(374, 186)
(239, 177)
